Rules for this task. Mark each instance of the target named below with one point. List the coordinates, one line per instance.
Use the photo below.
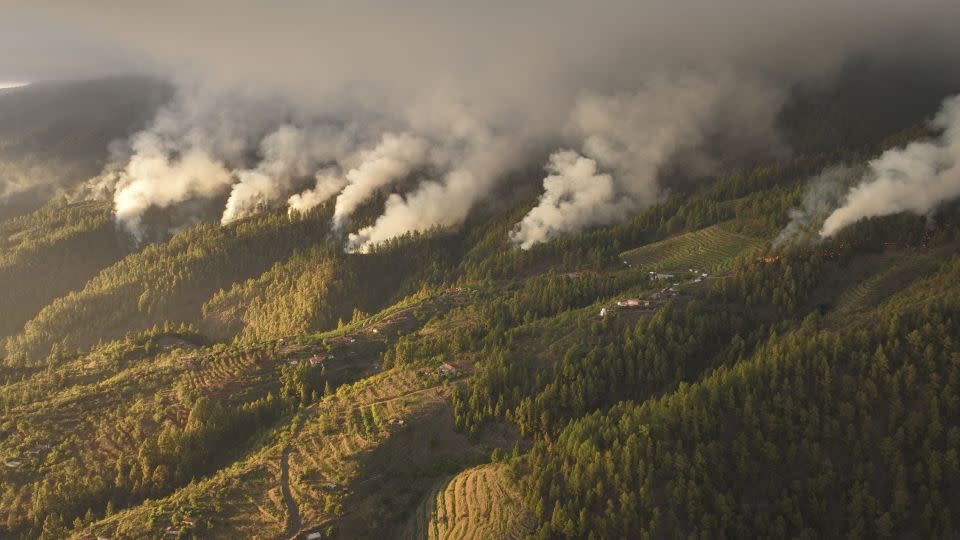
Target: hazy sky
(503, 48)
(628, 84)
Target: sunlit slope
(709, 249)
(50, 252)
(480, 503)
(162, 282)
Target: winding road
(293, 512)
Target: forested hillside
(693, 370)
(50, 252)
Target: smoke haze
(312, 102)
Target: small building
(659, 276)
(629, 303)
(448, 370)
(319, 359)
(12, 463)
(603, 312)
(396, 422)
(314, 536)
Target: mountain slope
(50, 252)
(255, 381)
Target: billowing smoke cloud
(187, 152)
(824, 194)
(394, 158)
(916, 178)
(509, 79)
(575, 196)
(474, 155)
(632, 137)
(152, 179)
(328, 183)
(289, 155)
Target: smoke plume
(632, 137)
(152, 179)
(456, 96)
(916, 178)
(824, 194)
(394, 158)
(469, 155)
(575, 196)
(289, 155)
(328, 183)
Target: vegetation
(254, 380)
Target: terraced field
(245, 498)
(713, 248)
(873, 290)
(477, 503)
(326, 456)
(388, 432)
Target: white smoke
(153, 179)
(916, 178)
(329, 182)
(289, 154)
(632, 136)
(575, 196)
(824, 193)
(474, 156)
(394, 158)
(520, 89)
(186, 153)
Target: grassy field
(478, 503)
(710, 249)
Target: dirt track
(293, 512)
